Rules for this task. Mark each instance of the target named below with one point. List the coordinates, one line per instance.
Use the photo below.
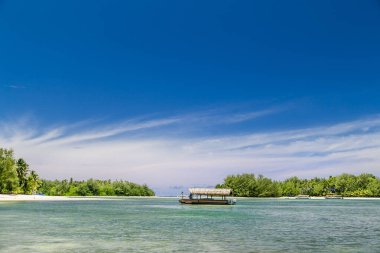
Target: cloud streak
(129, 150)
(12, 86)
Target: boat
(303, 197)
(332, 196)
(208, 196)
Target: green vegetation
(93, 187)
(17, 178)
(249, 185)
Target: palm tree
(22, 172)
(33, 182)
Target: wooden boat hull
(204, 202)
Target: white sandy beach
(23, 197)
(359, 198)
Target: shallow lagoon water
(163, 225)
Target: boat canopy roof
(209, 191)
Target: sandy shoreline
(23, 197)
(352, 198)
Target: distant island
(347, 185)
(17, 178)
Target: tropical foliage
(94, 187)
(249, 185)
(16, 177)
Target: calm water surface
(162, 225)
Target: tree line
(17, 178)
(348, 185)
(93, 187)
(15, 175)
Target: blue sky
(148, 79)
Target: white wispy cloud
(129, 150)
(227, 116)
(13, 86)
(241, 117)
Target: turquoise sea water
(163, 225)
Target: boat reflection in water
(208, 196)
